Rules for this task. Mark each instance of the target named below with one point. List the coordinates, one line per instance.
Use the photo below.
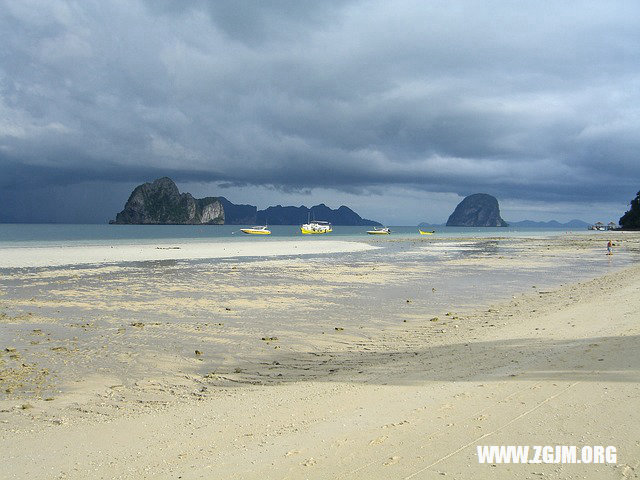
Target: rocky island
(161, 203)
(477, 210)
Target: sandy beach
(20, 257)
(332, 367)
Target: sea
(100, 234)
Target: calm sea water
(60, 234)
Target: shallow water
(64, 235)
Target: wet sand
(49, 256)
(101, 377)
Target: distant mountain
(477, 210)
(428, 225)
(160, 203)
(575, 224)
(280, 215)
(238, 214)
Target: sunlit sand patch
(20, 257)
(452, 246)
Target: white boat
(379, 231)
(258, 230)
(316, 227)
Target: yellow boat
(379, 231)
(315, 228)
(259, 230)
(426, 233)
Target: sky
(396, 109)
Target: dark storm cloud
(527, 101)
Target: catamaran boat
(316, 227)
(258, 230)
(379, 231)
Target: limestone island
(161, 203)
(477, 210)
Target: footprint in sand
(391, 461)
(292, 452)
(309, 462)
(389, 425)
(379, 440)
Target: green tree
(631, 219)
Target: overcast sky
(397, 109)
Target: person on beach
(609, 245)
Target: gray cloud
(535, 101)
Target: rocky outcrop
(280, 215)
(160, 203)
(631, 219)
(477, 210)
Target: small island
(477, 210)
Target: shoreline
(552, 366)
(25, 257)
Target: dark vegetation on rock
(477, 210)
(160, 203)
(631, 219)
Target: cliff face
(631, 219)
(478, 210)
(160, 202)
(280, 215)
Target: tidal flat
(87, 345)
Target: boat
(316, 227)
(422, 232)
(379, 231)
(258, 230)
